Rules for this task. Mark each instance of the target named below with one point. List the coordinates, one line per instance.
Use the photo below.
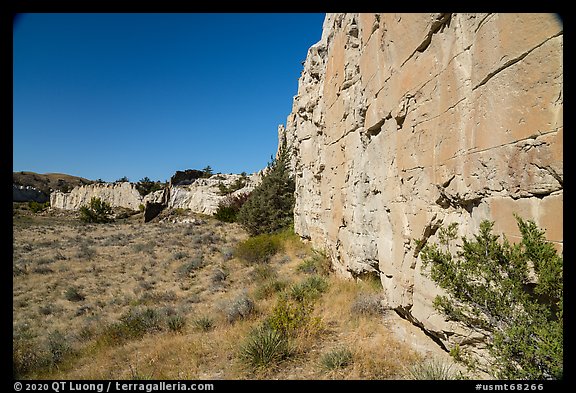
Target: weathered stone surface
(403, 122)
(202, 196)
(122, 194)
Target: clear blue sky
(113, 95)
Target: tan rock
(406, 121)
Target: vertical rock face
(122, 194)
(404, 122)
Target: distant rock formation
(404, 122)
(201, 196)
(122, 194)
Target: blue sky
(113, 95)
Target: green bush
(269, 287)
(229, 207)
(188, 269)
(27, 355)
(58, 347)
(36, 207)
(290, 318)
(512, 291)
(270, 207)
(258, 249)
(97, 211)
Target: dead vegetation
(173, 300)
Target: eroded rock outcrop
(404, 122)
(122, 194)
(201, 196)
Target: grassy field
(193, 300)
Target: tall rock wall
(404, 122)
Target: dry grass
(186, 275)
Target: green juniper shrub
(36, 207)
(207, 172)
(227, 190)
(512, 291)
(97, 211)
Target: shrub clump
(291, 317)
(229, 207)
(239, 308)
(258, 249)
(367, 304)
(512, 291)
(146, 186)
(337, 358)
(133, 325)
(309, 289)
(97, 211)
(264, 347)
(37, 207)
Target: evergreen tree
(271, 204)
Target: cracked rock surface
(404, 122)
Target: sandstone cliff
(403, 122)
(202, 196)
